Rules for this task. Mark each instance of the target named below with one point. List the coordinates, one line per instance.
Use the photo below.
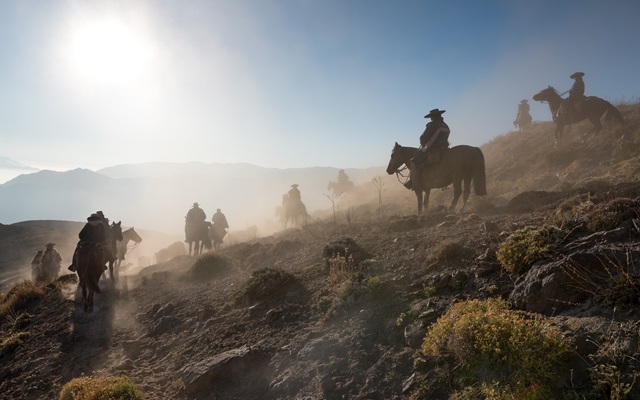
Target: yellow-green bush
(528, 245)
(18, 296)
(504, 354)
(100, 388)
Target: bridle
(399, 174)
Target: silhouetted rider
(433, 141)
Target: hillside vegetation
(531, 294)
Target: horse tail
(613, 114)
(479, 177)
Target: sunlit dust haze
(282, 85)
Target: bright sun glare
(106, 52)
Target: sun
(106, 51)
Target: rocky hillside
(533, 294)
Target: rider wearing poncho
(576, 93)
(433, 142)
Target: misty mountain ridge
(158, 195)
(10, 168)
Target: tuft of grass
(210, 265)
(264, 284)
(502, 353)
(527, 245)
(19, 296)
(11, 342)
(100, 388)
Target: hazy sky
(290, 83)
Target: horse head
(116, 230)
(396, 160)
(131, 234)
(546, 94)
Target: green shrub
(502, 353)
(19, 296)
(528, 245)
(210, 265)
(359, 288)
(100, 388)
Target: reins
(400, 174)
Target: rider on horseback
(294, 193)
(576, 95)
(433, 141)
(93, 232)
(523, 113)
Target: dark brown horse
(292, 210)
(110, 254)
(197, 235)
(459, 164)
(217, 232)
(90, 267)
(592, 108)
(122, 247)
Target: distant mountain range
(157, 196)
(10, 168)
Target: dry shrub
(502, 353)
(100, 388)
(449, 250)
(528, 245)
(19, 296)
(264, 284)
(11, 342)
(210, 265)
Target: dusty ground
(355, 351)
(305, 341)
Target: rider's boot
(408, 184)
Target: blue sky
(290, 83)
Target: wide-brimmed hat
(100, 214)
(93, 217)
(524, 101)
(50, 244)
(435, 113)
(577, 75)
(196, 204)
(295, 185)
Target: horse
(90, 267)
(592, 108)
(340, 187)
(217, 232)
(122, 247)
(292, 210)
(459, 164)
(110, 254)
(197, 235)
(523, 121)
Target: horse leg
(465, 193)
(85, 301)
(90, 300)
(425, 201)
(558, 133)
(419, 199)
(457, 191)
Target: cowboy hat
(577, 75)
(295, 185)
(524, 101)
(196, 204)
(93, 217)
(50, 244)
(435, 113)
